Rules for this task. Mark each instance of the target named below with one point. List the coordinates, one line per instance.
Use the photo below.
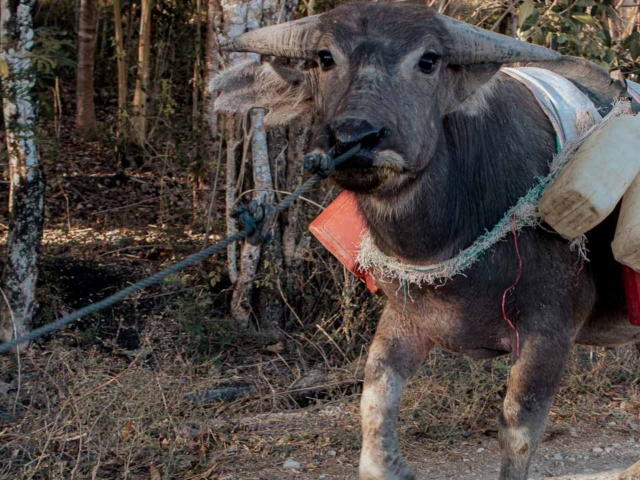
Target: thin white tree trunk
(26, 203)
(250, 255)
(230, 194)
(87, 29)
(212, 67)
(139, 120)
(213, 151)
(240, 16)
(122, 65)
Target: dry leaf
(154, 472)
(126, 432)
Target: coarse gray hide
(449, 144)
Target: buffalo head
(381, 75)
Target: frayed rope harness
(574, 119)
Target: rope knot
(320, 163)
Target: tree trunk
(122, 66)
(26, 202)
(299, 137)
(230, 193)
(239, 16)
(212, 67)
(139, 120)
(195, 103)
(211, 168)
(250, 255)
(86, 112)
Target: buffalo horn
(290, 40)
(474, 45)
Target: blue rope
(249, 226)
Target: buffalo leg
(532, 386)
(396, 353)
(631, 473)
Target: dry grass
(86, 414)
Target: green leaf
(584, 3)
(527, 9)
(610, 56)
(611, 13)
(606, 37)
(562, 38)
(538, 36)
(583, 18)
(634, 48)
(4, 68)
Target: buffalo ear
(283, 91)
(466, 80)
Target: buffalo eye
(428, 61)
(326, 59)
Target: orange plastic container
(339, 228)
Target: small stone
(331, 453)
(289, 463)
(558, 456)
(323, 476)
(466, 460)
(608, 450)
(330, 462)
(573, 432)
(612, 424)
(571, 459)
(616, 446)
(596, 450)
(480, 450)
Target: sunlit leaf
(583, 18)
(526, 10)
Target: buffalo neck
(483, 164)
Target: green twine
(406, 294)
(486, 264)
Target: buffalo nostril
(349, 132)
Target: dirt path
(567, 456)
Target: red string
(504, 295)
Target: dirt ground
(569, 455)
(82, 411)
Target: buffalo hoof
(631, 473)
(398, 470)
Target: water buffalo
(449, 143)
